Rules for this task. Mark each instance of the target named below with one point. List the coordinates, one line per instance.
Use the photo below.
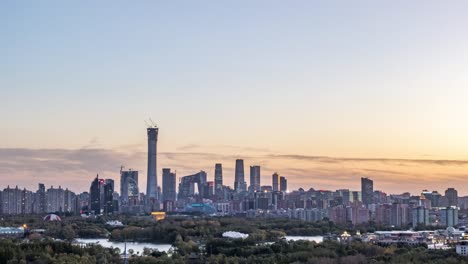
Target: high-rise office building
(275, 182)
(208, 188)
(452, 197)
(128, 186)
(169, 185)
(218, 179)
(108, 196)
(152, 179)
(283, 184)
(95, 196)
(254, 179)
(239, 180)
(367, 191)
(192, 185)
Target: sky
(323, 92)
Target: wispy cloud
(326, 159)
(76, 167)
(188, 147)
(217, 148)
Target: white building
(11, 231)
(462, 248)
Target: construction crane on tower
(150, 124)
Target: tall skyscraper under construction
(152, 179)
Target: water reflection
(135, 246)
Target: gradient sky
(323, 92)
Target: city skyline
(187, 163)
(322, 92)
(272, 183)
(196, 194)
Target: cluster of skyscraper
(192, 188)
(195, 188)
(196, 193)
(102, 196)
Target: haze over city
(324, 93)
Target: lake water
(136, 246)
(317, 239)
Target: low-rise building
(462, 248)
(11, 231)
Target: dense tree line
(199, 240)
(219, 250)
(47, 251)
(236, 251)
(169, 230)
(144, 228)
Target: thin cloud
(92, 144)
(217, 148)
(327, 159)
(376, 171)
(76, 168)
(188, 147)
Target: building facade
(449, 216)
(218, 179)
(152, 179)
(275, 182)
(283, 184)
(191, 185)
(95, 196)
(420, 216)
(452, 197)
(254, 179)
(169, 185)
(367, 191)
(128, 186)
(108, 190)
(55, 199)
(239, 180)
